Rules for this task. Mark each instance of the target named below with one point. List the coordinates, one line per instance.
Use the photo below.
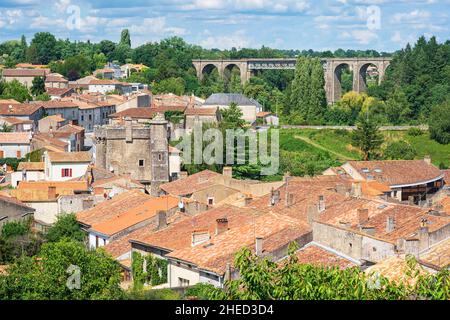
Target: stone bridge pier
(222, 66)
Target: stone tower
(159, 153)
(138, 150)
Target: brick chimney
(259, 246)
(356, 190)
(274, 197)
(390, 224)
(363, 215)
(51, 192)
(312, 213)
(321, 206)
(228, 172)
(221, 226)
(162, 219)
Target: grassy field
(337, 144)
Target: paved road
(350, 128)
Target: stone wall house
(12, 209)
(24, 76)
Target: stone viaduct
(333, 68)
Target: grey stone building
(138, 150)
(12, 209)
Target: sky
(284, 24)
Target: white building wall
(46, 212)
(30, 176)
(93, 241)
(183, 272)
(10, 150)
(54, 172)
(174, 163)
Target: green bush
(15, 228)
(200, 291)
(415, 132)
(399, 150)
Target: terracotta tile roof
(112, 208)
(395, 269)
(438, 256)
(407, 218)
(58, 91)
(15, 138)
(318, 256)
(56, 117)
(306, 192)
(31, 66)
(108, 82)
(71, 128)
(179, 235)
(446, 176)
(135, 215)
(9, 101)
(201, 112)
(39, 191)
(50, 140)
(31, 166)
(445, 204)
(122, 245)
(374, 188)
(263, 114)
(70, 157)
(57, 104)
(139, 113)
(51, 78)
(190, 184)
(24, 109)
(16, 121)
(124, 181)
(25, 72)
(276, 230)
(397, 172)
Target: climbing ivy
(154, 274)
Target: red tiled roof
(318, 256)
(397, 172)
(24, 109)
(58, 91)
(139, 113)
(201, 111)
(25, 72)
(190, 184)
(70, 156)
(15, 137)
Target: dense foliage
(261, 279)
(66, 227)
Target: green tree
(66, 227)
(398, 108)
(232, 117)
(367, 137)
(15, 90)
(262, 279)
(440, 123)
(399, 150)
(125, 38)
(38, 86)
(43, 48)
(46, 276)
(171, 85)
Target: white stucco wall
(53, 170)
(181, 271)
(30, 176)
(46, 212)
(174, 163)
(93, 242)
(10, 150)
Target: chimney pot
(162, 219)
(363, 215)
(322, 206)
(228, 172)
(222, 225)
(259, 246)
(390, 224)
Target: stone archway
(337, 79)
(208, 69)
(364, 71)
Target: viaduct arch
(332, 67)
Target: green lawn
(339, 146)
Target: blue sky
(286, 24)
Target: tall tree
(43, 48)
(38, 86)
(125, 38)
(367, 137)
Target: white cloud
(277, 6)
(361, 36)
(62, 5)
(236, 40)
(414, 16)
(156, 26)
